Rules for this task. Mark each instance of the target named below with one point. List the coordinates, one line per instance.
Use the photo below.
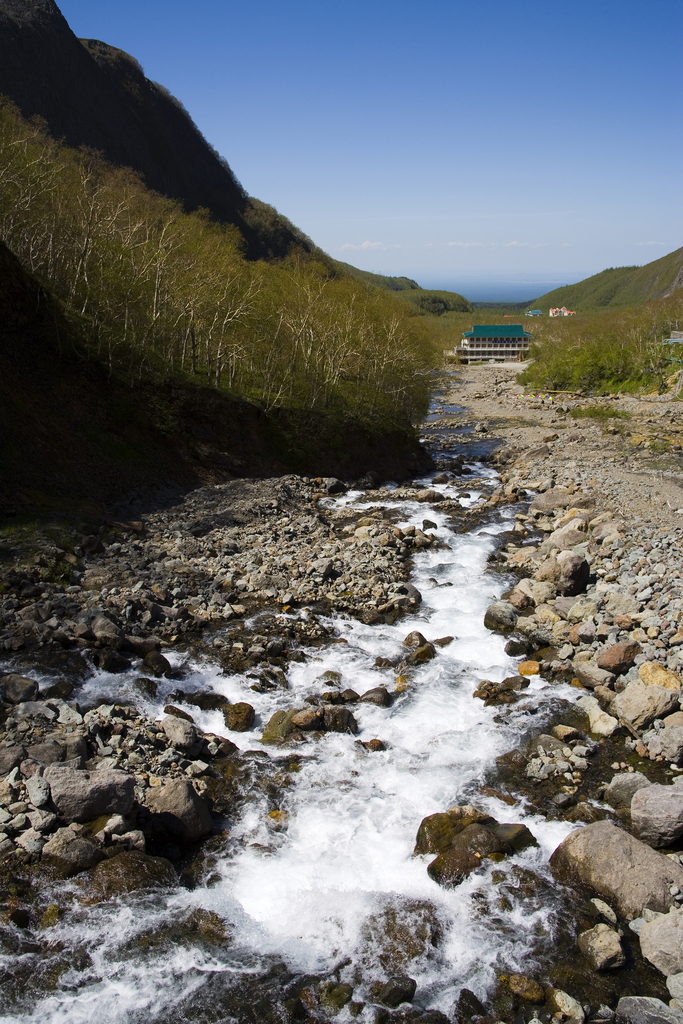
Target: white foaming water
(319, 891)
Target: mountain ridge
(619, 287)
(94, 95)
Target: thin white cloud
(650, 243)
(467, 245)
(525, 245)
(369, 245)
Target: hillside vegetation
(154, 293)
(617, 351)
(428, 302)
(619, 287)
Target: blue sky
(480, 145)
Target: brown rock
(437, 832)
(529, 668)
(430, 495)
(239, 717)
(619, 657)
(451, 868)
(526, 988)
(131, 871)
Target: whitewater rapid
(314, 888)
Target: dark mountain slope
(73, 437)
(91, 94)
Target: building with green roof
(494, 343)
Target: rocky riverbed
(297, 748)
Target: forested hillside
(154, 294)
(619, 287)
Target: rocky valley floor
(294, 749)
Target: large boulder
(599, 722)
(619, 657)
(67, 854)
(182, 810)
(550, 500)
(654, 674)
(131, 871)
(437, 832)
(501, 617)
(574, 572)
(668, 743)
(81, 796)
(601, 946)
(661, 942)
(279, 726)
(639, 704)
(592, 675)
(106, 631)
(16, 689)
(622, 788)
(339, 719)
(182, 734)
(239, 717)
(646, 1010)
(627, 873)
(657, 814)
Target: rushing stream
(330, 878)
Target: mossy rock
(451, 868)
(437, 832)
(130, 871)
(335, 997)
(50, 917)
(239, 717)
(279, 726)
(147, 687)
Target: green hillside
(394, 284)
(427, 301)
(619, 287)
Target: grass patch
(601, 413)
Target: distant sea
(493, 290)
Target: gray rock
(397, 991)
(16, 689)
(646, 1010)
(591, 676)
(639, 704)
(626, 872)
(38, 790)
(620, 791)
(574, 572)
(81, 796)
(379, 695)
(657, 814)
(500, 617)
(10, 757)
(35, 709)
(67, 854)
(182, 734)
(674, 983)
(183, 811)
(601, 946)
(550, 500)
(31, 840)
(661, 942)
(157, 664)
(668, 743)
(106, 630)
